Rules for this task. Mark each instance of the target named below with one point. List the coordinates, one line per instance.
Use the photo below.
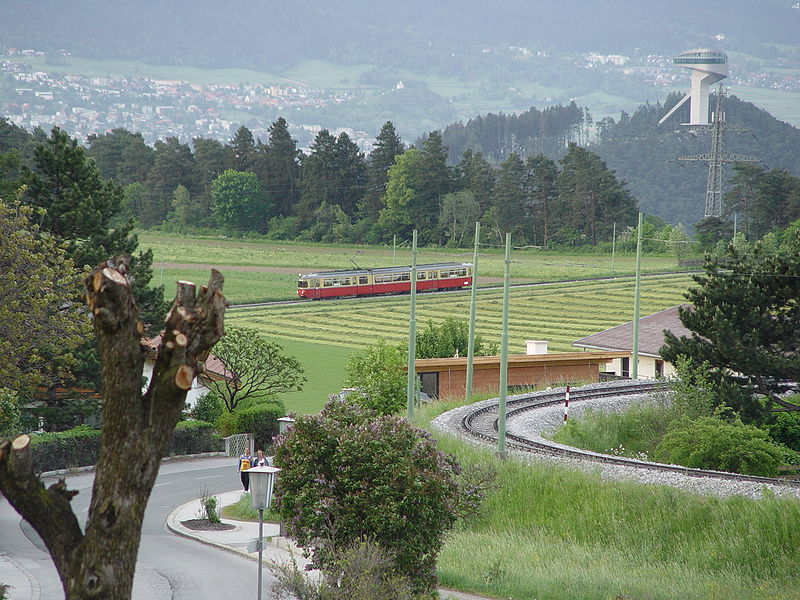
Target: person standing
(261, 460)
(245, 462)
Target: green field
(558, 313)
(322, 334)
(529, 265)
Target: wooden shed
(443, 377)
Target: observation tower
(707, 67)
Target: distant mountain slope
(640, 151)
(413, 33)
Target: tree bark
(137, 426)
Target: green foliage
(10, 414)
(261, 368)
(194, 437)
(377, 373)
(449, 338)
(80, 446)
(786, 429)
(40, 326)
(361, 571)
(546, 521)
(712, 443)
(262, 421)
(208, 408)
(209, 504)
(348, 475)
(745, 324)
(238, 202)
(77, 447)
(226, 424)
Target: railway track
(481, 424)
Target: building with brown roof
(446, 377)
(651, 338)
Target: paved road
(169, 567)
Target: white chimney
(536, 347)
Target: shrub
(194, 437)
(261, 420)
(711, 443)
(362, 571)
(210, 508)
(77, 447)
(10, 414)
(226, 424)
(786, 429)
(349, 475)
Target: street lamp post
(285, 424)
(262, 480)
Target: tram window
(405, 276)
(422, 275)
(344, 281)
(362, 280)
(302, 283)
(462, 272)
(327, 282)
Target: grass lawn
(241, 287)
(551, 533)
(324, 365)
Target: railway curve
(531, 417)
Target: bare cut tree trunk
(136, 431)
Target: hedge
(262, 421)
(80, 447)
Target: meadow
(323, 334)
(546, 532)
(551, 533)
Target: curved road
(169, 566)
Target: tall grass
(552, 533)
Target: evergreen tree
(121, 155)
(334, 172)
(475, 174)
(388, 146)
(745, 324)
(509, 200)
(173, 166)
(543, 177)
(591, 199)
(81, 209)
(242, 150)
(210, 159)
(281, 175)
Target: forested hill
(636, 147)
(414, 33)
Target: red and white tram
(384, 280)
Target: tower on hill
(707, 67)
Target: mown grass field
(323, 334)
(559, 313)
(529, 265)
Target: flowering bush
(349, 474)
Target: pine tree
(242, 150)
(745, 323)
(388, 146)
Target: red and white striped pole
(566, 405)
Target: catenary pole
(613, 249)
(501, 419)
(636, 292)
(472, 310)
(412, 332)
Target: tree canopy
(258, 368)
(349, 475)
(41, 323)
(745, 323)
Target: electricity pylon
(717, 157)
